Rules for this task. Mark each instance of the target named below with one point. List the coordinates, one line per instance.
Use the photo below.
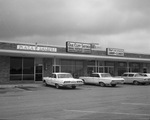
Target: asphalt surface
(88, 102)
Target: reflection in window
(15, 68)
(106, 75)
(28, 69)
(64, 76)
(16, 65)
(73, 67)
(28, 66)
(125, 75)
(21, 68)
(131, 75)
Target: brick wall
(4, 69)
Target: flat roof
(30, 50)
(67, 56)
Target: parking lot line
(115, 113)
(144, 104)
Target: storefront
(30, 62)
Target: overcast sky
(123, 24)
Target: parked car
(145, 74)
(62, 80)
(135, 78)
(102, 79)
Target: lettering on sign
(36, 48)
(77, 47)
(115, 51)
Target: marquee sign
(77, 47)
(115, 51)
(36, 48)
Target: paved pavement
(10, 85)
(88, 102)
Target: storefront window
(122, 68)
(109, 67)
(91, 63)
(101, 69)
(56, 68)
(28, 69)
(15, 68)
(91, 67)
(109, 63)
(134, 67)
(21, 68)
(73, 67)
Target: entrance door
(38, 74)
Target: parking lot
(88, 102)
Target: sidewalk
(21, 85)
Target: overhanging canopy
(67, 56)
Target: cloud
(54, 17)
(110, 23)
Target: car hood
(113, 78)
(69, 79)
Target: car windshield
(138, 75)
(106, 75)
(143, 74)
(64, 75)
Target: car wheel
(135, 82)
(102, 84)
(113, 85)
(45, 83)
(83, 81)
(57, 86)
(73, 87)
(143, 83)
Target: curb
(19, 85)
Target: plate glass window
(21, 68)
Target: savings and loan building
(21, 62)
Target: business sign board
(36, 48)
(115, 51)
(77, 47)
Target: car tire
(45, 83)
(113, 85)
(73, 87)
(102, 84)
(135, 82)
(57, 86)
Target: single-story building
(22, 62)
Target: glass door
(39, 73)
(109, 69)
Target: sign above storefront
(77, 47)
(115, 51)
(36, 48)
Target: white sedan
(102, 79)
(135, 78)
(62, 80)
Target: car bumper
(117, 82)
(144, 81)
(70, 85)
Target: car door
(96, 78)
(130, 78)
(91, 79)
(87, 79)
(53, 80)
(125, 76)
